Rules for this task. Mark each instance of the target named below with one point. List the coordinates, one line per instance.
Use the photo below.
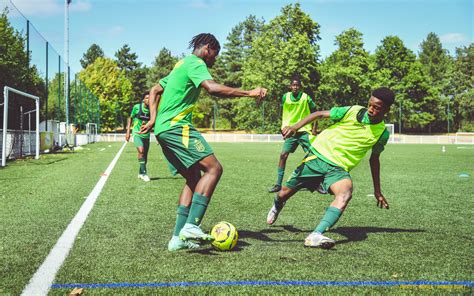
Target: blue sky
(149, 25)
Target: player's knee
(284, 156)
(217, 169)
(344, 197)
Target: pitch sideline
(43, 278)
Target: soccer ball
(225, 236)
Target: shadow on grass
(20, 162)
(209, 250)
(357, 234)
(352, 234)
(166, 178)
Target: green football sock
(281, 173)
(278, 203)
(142, 162)
(181, 216)
(329, 219)
(198, 209)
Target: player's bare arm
(375, 170)
(129, 123)
(289, 131)
(154, 100)
(219, 90)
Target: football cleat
(144, 177)
(274, 189)
(273, 214)
(176, 244)
(191, 231)
(317, 240)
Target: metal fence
(275, 138)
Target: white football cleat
(144, 177)
(273, 214)
(317, 240)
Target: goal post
(6, 91)
(464, 138)
(91, 132)
(391, 129)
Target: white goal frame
(391, 129)
(91, 132)
(460, 134)
(6, 91)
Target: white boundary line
(43, 278)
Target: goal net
(464, 138)
(20, 125)
(91, 132)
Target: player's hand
(314, 132)
(288, 131)
(258, 92)
(381, 201)
(127, 137)
(145, 128)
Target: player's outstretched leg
(342, 190)
(278, 204)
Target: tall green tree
(162, 66)
(127, 61)
(462, 89)
(92, 53)
(287, 45)
(228, 68)
(114, 91)
(345, 74)
(397, 67)
(435, 60)
(15, 69)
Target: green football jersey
(137, 123)
(347, 141)
(181, 90)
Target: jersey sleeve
(283, 98)
(337, 113)
(164, 81)
(198, 72)
(380, 145)
(311, 104)
(134, 111)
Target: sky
(149, 25)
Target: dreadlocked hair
(203, 39)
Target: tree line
(432, 87)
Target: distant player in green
(333, 154)
(184, 147)
(296, 105)
(140, 116)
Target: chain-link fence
(32, 65)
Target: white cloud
(49, 7)
(453, 38)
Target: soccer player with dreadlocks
(183, 146)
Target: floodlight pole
(66, 55)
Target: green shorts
(313, 171)
(183, 146)
(141, 142)
(292, 143)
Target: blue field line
(265, 283)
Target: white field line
(42, 280)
